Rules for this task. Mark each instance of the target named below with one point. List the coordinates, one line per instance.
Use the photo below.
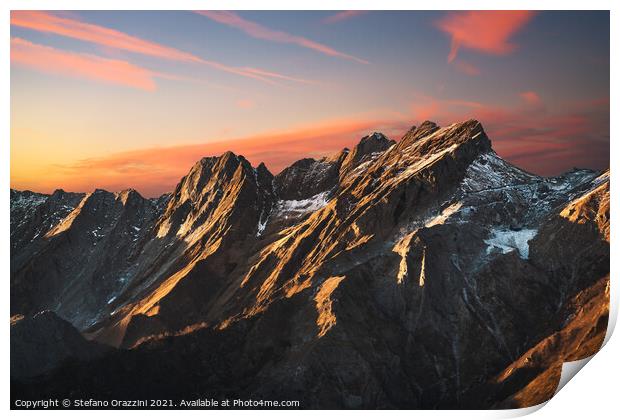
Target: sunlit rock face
(423, 273)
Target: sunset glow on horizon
(133, 99)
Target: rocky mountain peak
(216, 186)
(304, 163)
(130, 197)
(264, 177)
(339, 156)
(439, 262)
(94, 201)
(415, 133)
(308, 177)
(375, 142)
(206, 172)
(227, 164)
(368, 147)
(262, 167)
(429, 138)
(59, 192)
(373, 137)
(192, 184)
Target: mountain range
(423, 273)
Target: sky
(132, 99)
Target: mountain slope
(45, 342)
(413, 274)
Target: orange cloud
(488, 31)
(49, 23)
(530, 97)
(256, 30)
(540, 142)
(153, 171)
(344, 15)
(86, 66)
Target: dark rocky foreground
(426, 273)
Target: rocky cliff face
(424, 273)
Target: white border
(592, 395)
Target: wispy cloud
(153, 171)
(256, 30)
(50, 60)
(530, 97)
(47, 22)
(466, 67)
(265, 73)
(540, 141)
(344, 15)
(488, 31)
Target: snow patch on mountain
(27, 201)
(262, 224)
(23, 206)
(509, 240)
(489, 171)
(299, 207)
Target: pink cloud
(426, 110)
(50, 60)
(530, 97)
(542, 142)
(488, 31)
(47, 22)
(256, 30)
(344, 15)
(110, 38)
